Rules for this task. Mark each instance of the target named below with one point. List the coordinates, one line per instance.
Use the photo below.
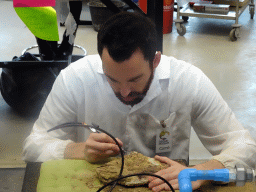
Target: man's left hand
(170, 174)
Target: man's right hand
(97, 147)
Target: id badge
(163, 140)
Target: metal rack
(233, 14)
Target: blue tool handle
(187, 175)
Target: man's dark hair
(124, 33)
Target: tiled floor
(230, 65)
(11, 180)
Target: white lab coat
(180, 95)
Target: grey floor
(230, 65)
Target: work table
(32, 174)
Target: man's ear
(157, 59)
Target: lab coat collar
(163, 70)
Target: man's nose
(125, 91)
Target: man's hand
(170, 174)
(97, 147)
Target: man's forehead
(136, 60)
(130, 79)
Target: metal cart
(233, 14)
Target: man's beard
(138, 96)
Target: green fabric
(41, 21)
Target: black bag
(26, 88)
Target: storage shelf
(231, 15)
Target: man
(146, 100)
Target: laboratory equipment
(240, 175)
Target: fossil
(134, 163)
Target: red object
(168, 8)
(168, 16)
(33, 3)
(143, 5)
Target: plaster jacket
(180, 97)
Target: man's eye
(135, 80)
(112, 80)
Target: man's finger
(160, 173)
(103, 146)
(165, 160)
(119, 142)
(157, 181)
(100, 154)
(160, 188)
(107, 146)
(104, 138)
(165, 187)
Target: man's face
(129, 79)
